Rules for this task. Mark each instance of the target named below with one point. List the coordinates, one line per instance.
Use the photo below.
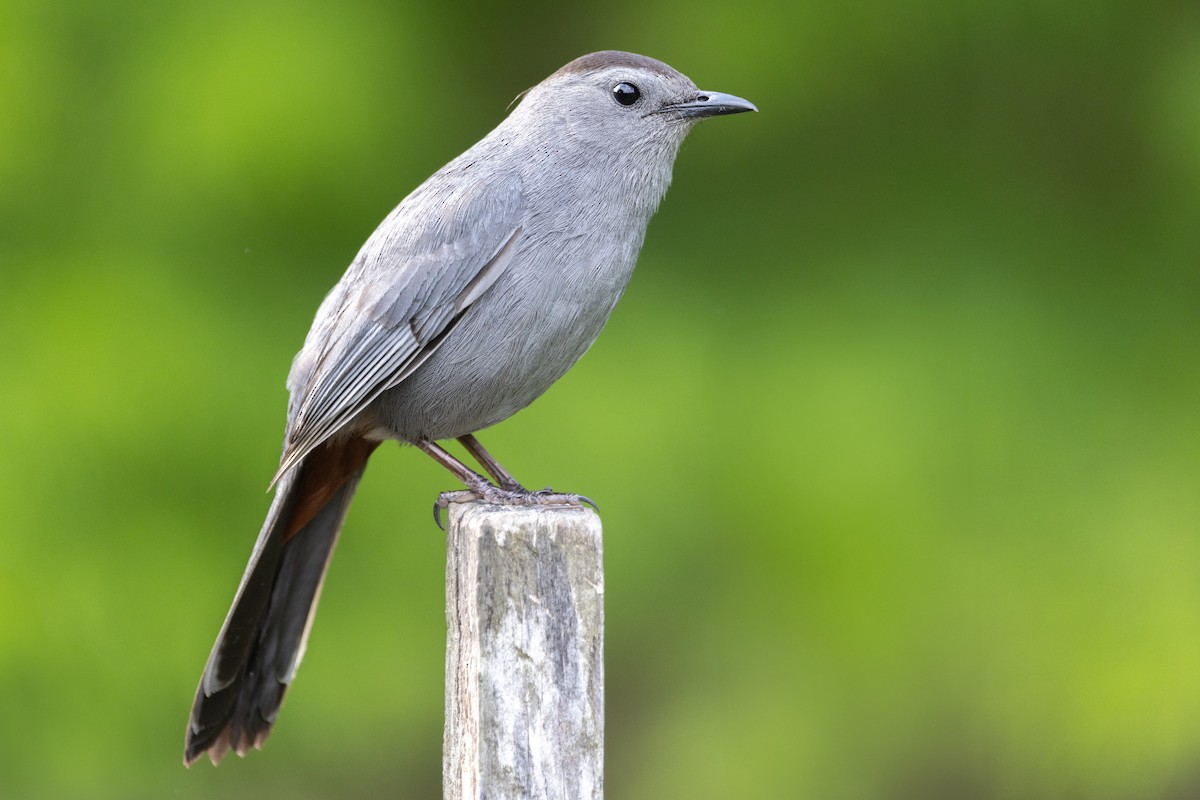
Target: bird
(475, 294)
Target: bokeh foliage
(896, 434)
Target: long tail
(263, 638)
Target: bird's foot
(504, 496)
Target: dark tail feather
(263, 638)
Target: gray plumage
(482, 288)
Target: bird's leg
(474, 481)
(508, 483)
(477, 485)
(503, 479)
(479, 489)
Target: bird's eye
(626, 93)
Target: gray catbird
(477, 292)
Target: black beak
(709, 104)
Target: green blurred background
(896, 433)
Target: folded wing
(399, 299)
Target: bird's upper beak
(710, 104)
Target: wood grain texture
(524, 653)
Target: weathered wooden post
(524, 653)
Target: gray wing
(433, 256)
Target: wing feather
(433, 257)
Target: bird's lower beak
(710, 104)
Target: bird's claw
(495, 495)
(554, 498)
(446, 498)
